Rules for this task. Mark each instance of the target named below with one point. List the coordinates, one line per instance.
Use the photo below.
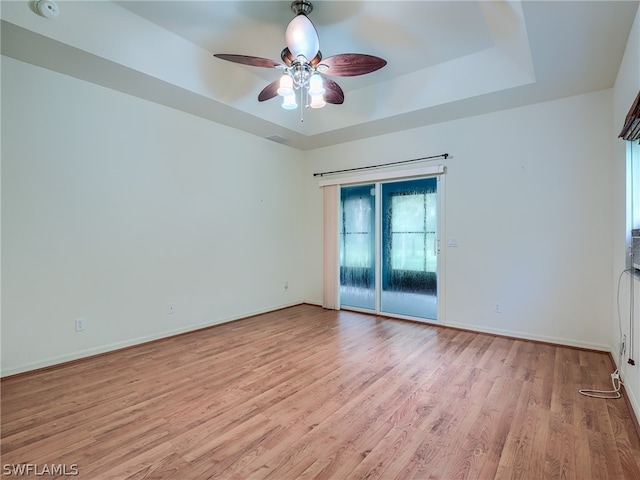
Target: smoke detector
(47, 8)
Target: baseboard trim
(75, 357)
(564, 342)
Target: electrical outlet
(81, 324)
(171, 308)
(286, 286)
(498, 308)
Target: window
(633, 184)
(631, 133)
(412, 244)
(356, 227)
(357, 246)
(409, 242)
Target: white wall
(625, 90)
(528, 195)
(113, 206)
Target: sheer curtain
(330, 280)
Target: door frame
(389, 176)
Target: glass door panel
(409, 248)
(357, 247)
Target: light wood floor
(311, 393)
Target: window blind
(631, 129)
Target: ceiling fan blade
(248, 60)
(352, 64)
(332, 92)
(269, 91)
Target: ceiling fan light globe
(316, 86)
(289, 102)
(301, 37)
(317, 101)
(283, 92)
(286, 86)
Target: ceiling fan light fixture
(302, 38)
(317, 101)
(289, 102)
(316, 86)
(286, 86)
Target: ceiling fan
(303, 68)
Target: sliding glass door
(357, 246)
(409, 248)
(389, 247)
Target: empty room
(320, 239)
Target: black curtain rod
(444, 155)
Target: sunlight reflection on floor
(400, 303)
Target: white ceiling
(446, 59)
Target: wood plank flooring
(307, 393)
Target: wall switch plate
(452, 241)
